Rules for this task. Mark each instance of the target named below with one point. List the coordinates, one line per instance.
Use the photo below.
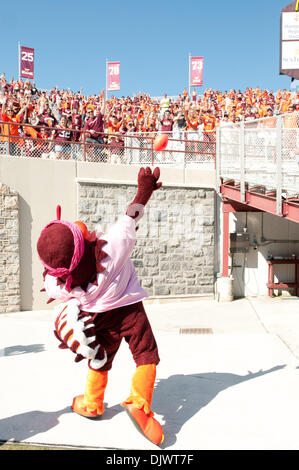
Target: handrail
(265, 156)
(130, 147)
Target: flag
(113, 76)
(196, 71)
(27, 62)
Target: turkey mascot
(101, 303)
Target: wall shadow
(179, 397)
(22, 349)
(25, 235)
(24, 426)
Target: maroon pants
(131, 323)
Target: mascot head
(69, 252)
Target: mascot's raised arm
(101, 303)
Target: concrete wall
(273, 235)
(174, 253)
(42, 184)
(10, 295)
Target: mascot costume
(101, 303)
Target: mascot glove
(77, 332)
(147, 184)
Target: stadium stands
(62, 115)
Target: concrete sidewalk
(232, 384)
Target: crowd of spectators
(62, 115)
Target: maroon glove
(147, 184)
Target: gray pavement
(228, 379)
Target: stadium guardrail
(263, 152)
(184, 148)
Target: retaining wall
(10, 294)
(174, 253)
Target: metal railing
(261, 152)
(184, 148)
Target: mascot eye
(83, 229)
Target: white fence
(262, 152)
(183, 148)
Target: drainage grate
(196, 331)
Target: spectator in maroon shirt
(94, 126)
(76, 103)
(47, 117)
(116, 149)
(61, 135)
(166, 122)
(76, 126)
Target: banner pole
(106, 80)
(19, 48)
(189, 73)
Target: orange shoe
(148, 425)
(79, 407)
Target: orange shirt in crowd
(209, 124)
(284, 105)
(262, 111)
(192, 124)
(10, 130)
(32, 133)
(113, 127)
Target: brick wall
(174, 253)
(9, 251)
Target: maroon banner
(27, 62)
(196, 71)
(113, 76)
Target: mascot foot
(79, 407)
(148, 425)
